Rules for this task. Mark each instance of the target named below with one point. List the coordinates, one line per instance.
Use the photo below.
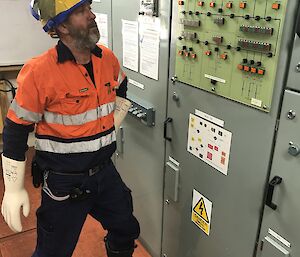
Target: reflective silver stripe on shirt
(24, 114)
(82, 118)
(121, 77)
(48, 145)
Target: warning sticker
(201, 211)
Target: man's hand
(15, 195)
(122, 107)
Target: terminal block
(142, 111)
(254, 46)
(191, 23)
(189, 35)
(257, 30)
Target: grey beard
(88, 42)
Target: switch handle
(275, 181)
(168, 120)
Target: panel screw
(291, 114)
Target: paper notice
(149, 43)
(102, 23)
(130, 34)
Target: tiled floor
(22, 244)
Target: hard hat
(53, 12)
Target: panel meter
(149, 7)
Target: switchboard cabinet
(280, 224)
(208, 90)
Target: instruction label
(209, 142)
(201, 211)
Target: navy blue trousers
(59, 223)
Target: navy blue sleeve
(15, 138)
(121, 91)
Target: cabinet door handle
(275, 181)
(168, 120)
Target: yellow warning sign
(201, 210)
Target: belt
(90, 172)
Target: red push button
(242, 5)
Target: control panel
(142, 111)
(230, 47)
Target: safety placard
(201, 211)
(209, 142)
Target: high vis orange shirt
(71, 113)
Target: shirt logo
(82, 90)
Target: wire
(12, 88)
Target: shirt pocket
(76, 102)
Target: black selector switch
(245, 60)
(212, 81)
(228, 46)
(190, 12)
(232, 15)
(247, 17)
(257, 18)
(208, 14)
(268, 18)
(252, 62)
(206, 43)
(258, 63)
(197, 13)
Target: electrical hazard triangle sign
(201, 210)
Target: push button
(275, 6)
(229, 5)
(242, 5)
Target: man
(69, 95)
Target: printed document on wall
(102, 23)
(130, 33)
(149, 43)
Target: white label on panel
(137, 84)
(209, 118)
(214, 78)
(173, 161)
(201, 211)
(277, 246)
(279, 238)
(209, 142)
(256, 102)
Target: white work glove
(122, 107)
(15, 194)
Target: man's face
(83, 28)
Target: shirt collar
(64, 53)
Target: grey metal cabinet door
(281, 226)
(141, 148)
